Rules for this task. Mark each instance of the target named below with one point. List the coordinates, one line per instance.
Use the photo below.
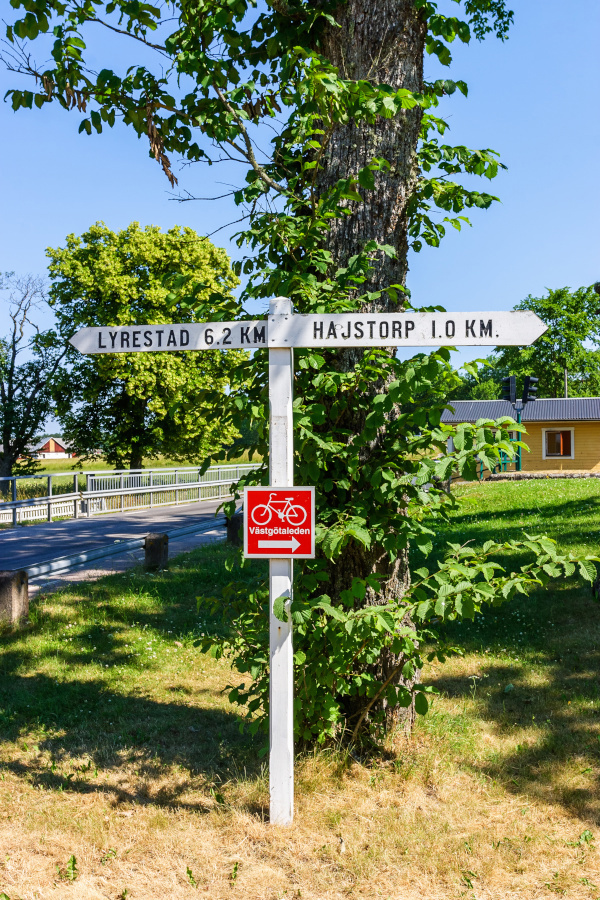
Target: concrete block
(14, 596)
(156, 550)
(235, 529)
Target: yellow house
(562, 434)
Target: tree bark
(7, 463)
(381, 41)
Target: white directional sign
(459, 329)
(158, 338)
(405, 329)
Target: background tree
(30, 360)
(357, 172)
(572, 342)
(481, 385)
(133, 406)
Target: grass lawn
(118, 748)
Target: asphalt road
(27, 545)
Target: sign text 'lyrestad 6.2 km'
(157, 338)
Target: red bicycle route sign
(279, 522)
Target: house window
(558, 443)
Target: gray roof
(573, 409)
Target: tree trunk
(6, 466)
(381, 41)
(136, 461)
(6, 469)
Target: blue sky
(533, 98)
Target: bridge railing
(116, 491)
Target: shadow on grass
(85, 720)
(202, 742)
(549, 691)
(116, 722)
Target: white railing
(120, 491)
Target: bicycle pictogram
(295, 515)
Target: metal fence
(91, 493)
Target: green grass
(530, 668)
(96, 673)
(107, 641)
(568, 510)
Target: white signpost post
(281, 332)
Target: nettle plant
(338, 646)
(327, 108)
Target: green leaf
(332, 542)
(587, 570)
(423, 609)
(421, 704)
(387, 621)
(424, 544)
(279, 610)
(366, 179)
(361, 534)
(359, 588)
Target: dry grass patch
(359, 832)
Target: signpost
(279, 520)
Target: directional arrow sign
(158, 338)
(280, 545)
(518, 327)
(279, 522)
(459, 329)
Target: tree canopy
(572, 342)
(345, 166)
(133, 406)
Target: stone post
(14, 596)
(156, 549)
(235, 531)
